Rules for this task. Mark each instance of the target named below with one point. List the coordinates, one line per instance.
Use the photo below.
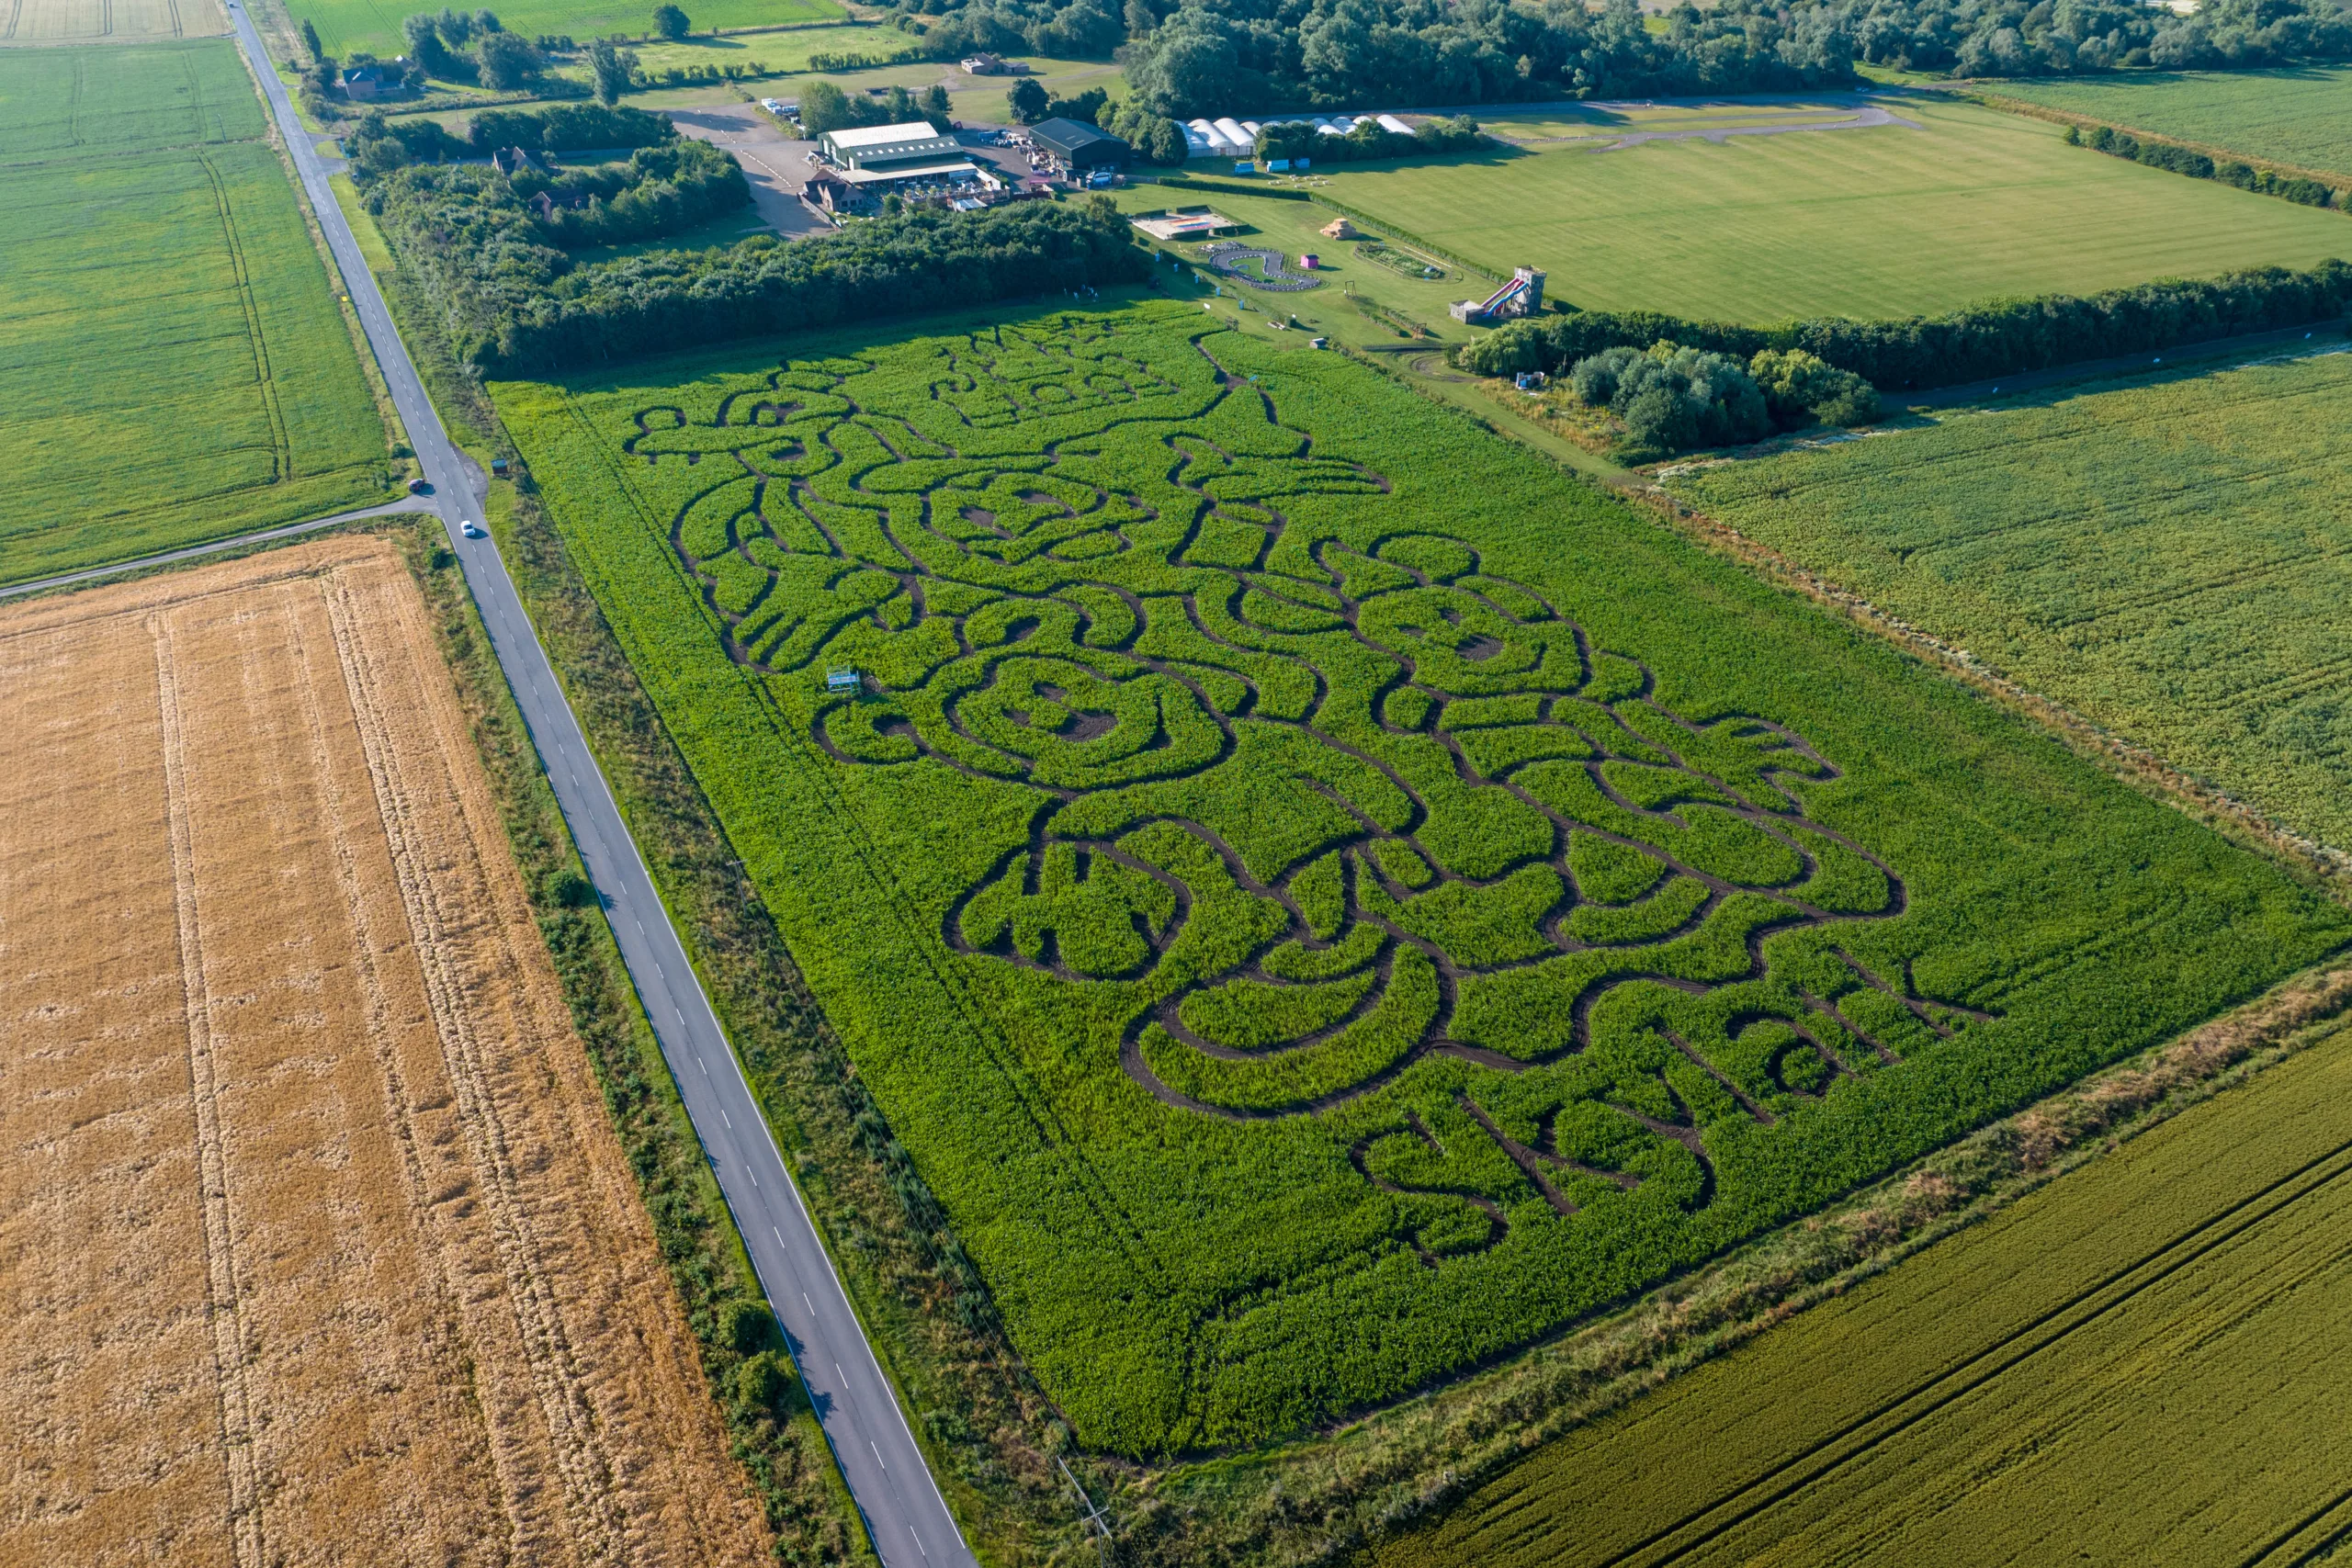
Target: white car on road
(471, 529)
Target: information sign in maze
(1323, 899)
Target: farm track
(300, 1117)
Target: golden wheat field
(315, 1242)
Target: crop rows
(2297, 117)
(2167, 557)
(1998, 1399)
(175, 368)
(1318, 920)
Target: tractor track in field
(1851, 1442)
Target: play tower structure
(1522, 296)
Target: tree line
(2198, 166)
(2000, 337)
(2042, 38)
(380, 145)
(1189, 58)
(496, 263)
(1670, 399)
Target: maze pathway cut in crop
(1329, 802)
(1295, 872)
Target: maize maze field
(1323, 899)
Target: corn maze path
(1324, 795)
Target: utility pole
(1098, 1524)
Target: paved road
(238, 541)
(904, 1512)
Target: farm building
(881, 146)
(1079, 146)
(987, 65)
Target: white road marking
(878, 1453)
(724, 1117)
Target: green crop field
(128, 98)
(2170, 558)
(172, 363)
(2132, 1365)
(375, 25)
(1324, 897)
(1885, 220)
(2301, 117)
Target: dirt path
(321, 1245)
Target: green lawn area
(2169, 558)
(172, 365)
(1880, 221)
(1325, 897)
(375, 25)
(2302, 115)
(1554, 122)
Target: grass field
(2302, 115)
(89, 22)
(173, 362)
(2129, 1365)
(2167, 557)
(1880, 221)
(375, 25)
(1318, 920)
(319, 1231)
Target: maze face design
(1319, 795)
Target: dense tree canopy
(2031, 37)
(1186, 58)
(1243, 55)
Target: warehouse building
(1080, 147)
(882, 146)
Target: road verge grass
(990, 1434)
(774, 1432)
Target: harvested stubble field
(2302, 115)
(319, 1244)
(1317, 919)
(83, 21)
(1887, 220)
(2169, 557)
(2145, 1361)
(173, 365)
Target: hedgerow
(1274, 1048)
(2199, 166)
(1999, 337)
